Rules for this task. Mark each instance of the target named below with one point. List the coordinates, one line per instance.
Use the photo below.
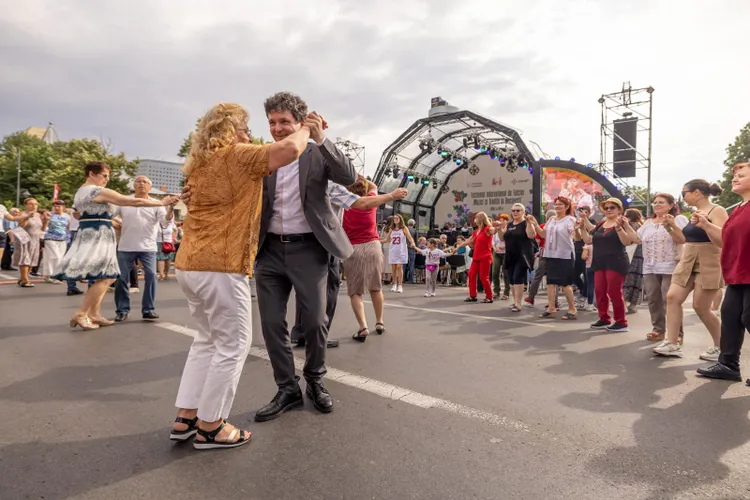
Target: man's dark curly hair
(286, 101)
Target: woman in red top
(481, 261)
(734, 240)
(365, 267)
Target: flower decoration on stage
(473, 169)
(459, 196)
(512, 166)
(462, 213)
(445, 189)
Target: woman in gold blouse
(224, 173)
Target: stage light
(466, 142)
(541, 159)
(395, 172)
(387, 171)
(482, 149)
(458, 161)
(590, 165)
(425, 182)
(416, 179)
(434, 183)
(465, 166)
(476, 142)
(531, 170)
(629, 199)
(511, 165)
(409, 177)
(557, 158)
(572, 160)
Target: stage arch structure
(451, 155)
(455, 163)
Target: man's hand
(399, 194)
(170, 200)
(185, 195)
(316, 124)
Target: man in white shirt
(139, 227)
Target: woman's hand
(668, 221)
(531, 219)
(579, 223)
(699, 219)
(46, 216)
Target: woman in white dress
(164, 260)
(93, 252)
(396, 237)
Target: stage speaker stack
(624, 147)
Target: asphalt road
(455, 401)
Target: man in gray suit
(299, 233)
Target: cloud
(141, 72)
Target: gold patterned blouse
(223, 220)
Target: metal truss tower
(629, 103)
(354, 152)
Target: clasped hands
(316, 124)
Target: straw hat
(614, 201)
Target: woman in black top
(699, 271)
(609, 262)
(519, 254)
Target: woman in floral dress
(93, 252)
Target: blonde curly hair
(216, 130)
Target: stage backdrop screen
(579, 188)
(492, 190)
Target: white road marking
(8, 276)
(384, 389)
(473, 316)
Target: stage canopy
(433, 150)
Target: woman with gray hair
(519, 253)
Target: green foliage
(737, 152)
(44, 165)
(640, 197)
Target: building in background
(162, 174)
(48, 135)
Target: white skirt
(52, 256)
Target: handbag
(167, 247)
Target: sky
(139, 73)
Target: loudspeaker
(624, 147)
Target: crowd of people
(302, 211)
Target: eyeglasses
(611, 207)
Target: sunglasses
(611, 207)
(516, 210)
(683, 193)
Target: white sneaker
(400, 289)
(394, 288)
(134, 289)
(432, 294)
(711, 354)
(427, 294)
(668, 349)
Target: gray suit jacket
(317, 165)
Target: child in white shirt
(432, 265)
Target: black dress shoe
(120, 317)
(320, 397)
(281, 402)
(720, 371)
(329, 343)
(150, 316)
(75, 291)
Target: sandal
(547, 314)
(487, 301)
(236, 438)
(514, 308)
(83, 322)
(102, 321)
(569, 316)
(380, 328)
(25, 284)
(504, 297)
(470, 299)
(359, 337)
(656, 337)
(192, 428)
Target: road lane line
(8, 277)
(468, 315)
(384, 389)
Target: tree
(185, 148)
(639, 194)
(737, 152)
(45, 165)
